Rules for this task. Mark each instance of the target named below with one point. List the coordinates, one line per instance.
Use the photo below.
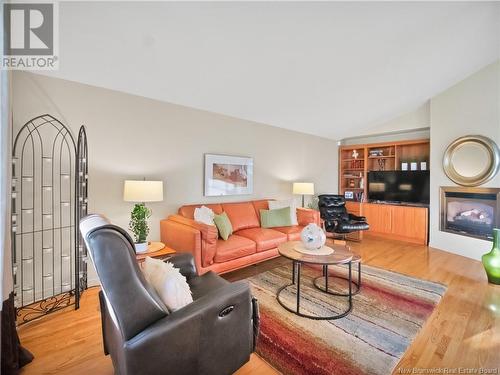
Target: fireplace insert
(472, 212)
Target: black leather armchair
(215, 334)
(336, 218)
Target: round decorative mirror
(471, 160)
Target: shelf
(353, 169)
(381, 157)
(352, 159)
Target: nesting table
(341, 255)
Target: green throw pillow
(275, 218)
(223, 225)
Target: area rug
(387, 315)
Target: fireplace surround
(468, 211)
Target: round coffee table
(341, 255)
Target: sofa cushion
(264, 238)
(260, 205)
(242, 215)
(235, 247)
(273, 205)
(204, 215)
(188, 210)
(223, 225)
(292, 232)
(275, 218)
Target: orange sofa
(249, 243)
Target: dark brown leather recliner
(215, 334)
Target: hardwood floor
(463, 332)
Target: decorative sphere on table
(313, 237)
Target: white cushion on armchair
(168, 282)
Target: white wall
(416, 119)
(330, 68)
(470, 107)
(411, 125)
(132, 137)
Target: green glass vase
(491, 260)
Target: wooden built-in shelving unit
(353, 170)
(403, 222)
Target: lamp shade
(304, 188)
(142, 191)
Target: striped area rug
(387, 315)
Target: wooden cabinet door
(422, 224)
(353, 207)
(378, 217)
(410, 223)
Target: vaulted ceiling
(329, 69)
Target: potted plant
(139, 226)
(313, 205)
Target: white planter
(141, 247)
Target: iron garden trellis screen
(49, 196)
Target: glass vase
(491, 260)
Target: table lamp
(303, 188)
(141, 192)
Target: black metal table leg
(350, 282)
(298, 287)
(326, 277)
(293, 271)
(356, 284)
(359, 277)
(297, 268)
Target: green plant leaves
(138, 222)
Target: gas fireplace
(472, 212)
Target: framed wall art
(228, 175)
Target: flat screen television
(399, 186)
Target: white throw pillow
(273, 205)
(204, 215)
(168, 282)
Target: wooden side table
(156, 250)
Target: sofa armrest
(186, 235)
(185, 264)
(307, 216)
(205, 229)
(198, 337)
